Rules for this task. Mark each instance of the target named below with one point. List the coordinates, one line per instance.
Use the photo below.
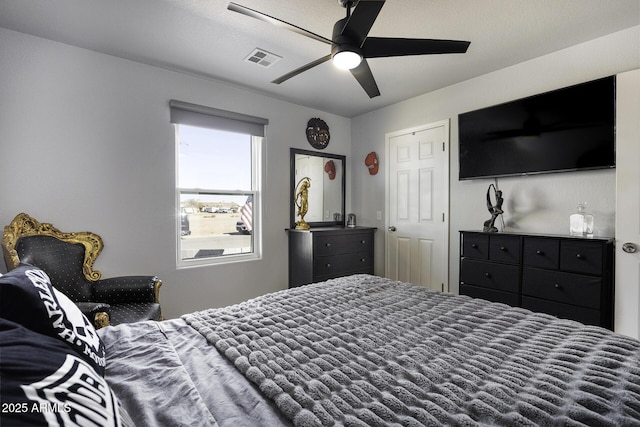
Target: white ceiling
(203, 38)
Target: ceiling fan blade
(380, 47)
(361, 20)
(364, 76)
(301, 69)
(275, 21)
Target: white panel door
(417, 237)
(627, 293)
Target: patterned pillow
(28, 298)
(44, 382)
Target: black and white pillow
(45, 383)
(28, 298)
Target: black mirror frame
(292, 205)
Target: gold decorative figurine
(302, 201)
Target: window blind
(198, 115)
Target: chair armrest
(127, 289)
(98, 313)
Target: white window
(218, 184)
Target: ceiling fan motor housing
(342, 42)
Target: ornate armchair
(68, 259)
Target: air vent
(262, 57)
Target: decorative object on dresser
(494, 209)
(328, 252)
(581, 223)
(67, 259)
(351, 220)
(301, 199)
(327, 198)
(568, 277)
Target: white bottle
(581, 223)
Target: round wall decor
(318, 133)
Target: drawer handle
(487, 275)
(363, 241)
(362, 260)
(579, 256)
(540, 252)
(503, 249)
(474, 246)
(328, 265)
(327, 244)
(557, 286)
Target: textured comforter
(365, 350)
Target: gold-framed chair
(68, 260)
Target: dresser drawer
(490, 294)
(335, 244)
(341, 265)
(541, 252)
(581, 256)
(564, 311)
(502, 277)
(475, 245)
(576, 289)
(504, 248)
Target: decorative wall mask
(372, 162)
(318, 133)
(330, 169)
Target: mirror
(326, 194)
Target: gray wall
(86, 144)
(540, 204)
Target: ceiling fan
(351, 46)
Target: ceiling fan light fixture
(346, 59)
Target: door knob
(630, 248)
(392, 229)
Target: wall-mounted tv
(563, 130)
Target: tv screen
(563, 130)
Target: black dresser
(568, 277)
(327, 252)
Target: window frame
(258, 143)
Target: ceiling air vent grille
(262, 57)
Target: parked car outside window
(184, 223)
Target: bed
(367, 351)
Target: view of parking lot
(214, 234)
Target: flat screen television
(567, 129)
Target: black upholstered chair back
(62, 261)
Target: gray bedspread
(167, 375)
(364, 350)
